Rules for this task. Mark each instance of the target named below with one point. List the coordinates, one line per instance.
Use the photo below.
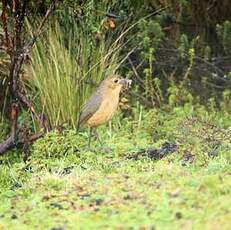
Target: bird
(103, 103)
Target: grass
(65, 186)
(65, 70)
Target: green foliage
(226, 102)
(184, 45)
(224, 34)
(195, 129)
(57, 145)
(79, 48)
(54, 79)
(63, 183)
(3, 130)
(148, 37)
(179, 92)
(192, 127)
(13, 174)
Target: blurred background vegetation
(178, 55)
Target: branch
(136, 73)
(17, 58)
(6, 145)
(17, 25)
(10, 142)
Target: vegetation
(72, 66)
(169, 164)
(64, 186)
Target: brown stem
(14, 119)
(19, 51)
(10, 143)
(22, 98)
(6, 145)
(16, 22)
(5, 28)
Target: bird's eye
(116, 81)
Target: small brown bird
(102, 105)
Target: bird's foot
(89, 149)
(99, 149)
(106, 149)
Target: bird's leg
(78, 124)
(97, 136)
(89, 137)
(104, 148)
(92, 132)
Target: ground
(166, 170)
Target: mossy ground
(63, 186)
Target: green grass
(63, 185)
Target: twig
(14, 119)
(30, 44)
(27, 103)
(135, 72)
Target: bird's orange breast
(105, 112)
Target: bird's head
(116, 82)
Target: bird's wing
(91, 106)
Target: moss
(63, 183)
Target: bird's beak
(126, 82)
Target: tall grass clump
(67, 64)
(53, 79)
